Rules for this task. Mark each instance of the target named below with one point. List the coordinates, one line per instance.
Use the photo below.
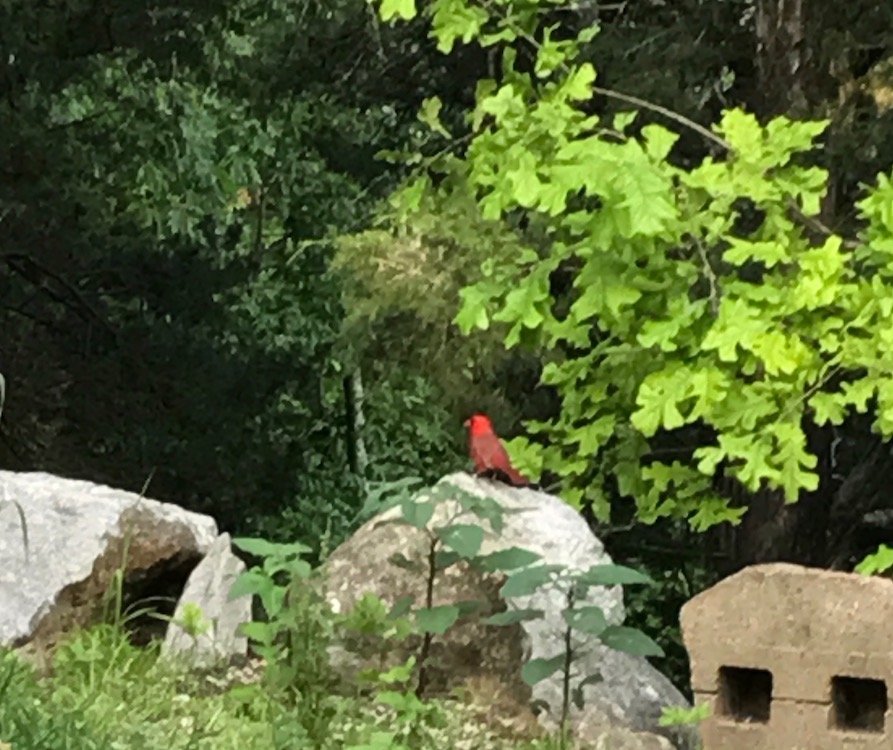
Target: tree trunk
(772, 530)
(354, 397)
(782, 57)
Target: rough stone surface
(618, 738)
(631, 694)
(79, 534)
(793, 657)
(208, 588)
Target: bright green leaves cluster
(697, 298)
(760, 167)
(877, 562)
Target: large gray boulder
(79, 534)
(631, 693)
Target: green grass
(102, 693)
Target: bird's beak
(467, 423)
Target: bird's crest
(479, 424)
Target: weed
(296, 631)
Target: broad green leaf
(550, 54)
(780, 353)
(660, 333)
(674, 716)
(296, 568)
(401, 607)
(710, 386)
(273, 600)
(468, 606)
(741, 251)
(877, 562)
(602, 295)
(250, 582)
(537, 670)
(595, 434)
(453, 21)
(264, 548)
(392, 9)
(429, 114)
(622, 120)
(795, 461)
(437, 620)
(485, 508)
(528, 580)
(445, 558)
(578, 85)
(659, 141)
(588, 33)
(589, 620)
(743, 131)
(526, 456)
(508, 559)
(473, 311)
(513, 616)
(859, 393)
(525, 181)
(712, 511)
(399, 672)
(417, 512)
(659, 398)
(613, 575)
(465, 539)
(630, 641)
(260, 632)
(522, 302)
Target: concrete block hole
(858, 704)
(745, 695)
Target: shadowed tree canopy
(172, 176)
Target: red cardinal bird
(488, 454)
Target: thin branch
(668, 113)
(11, 260)
(817, 225)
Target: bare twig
(668, 113)
(16, 261)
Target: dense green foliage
(680, 311)
(168, 296)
